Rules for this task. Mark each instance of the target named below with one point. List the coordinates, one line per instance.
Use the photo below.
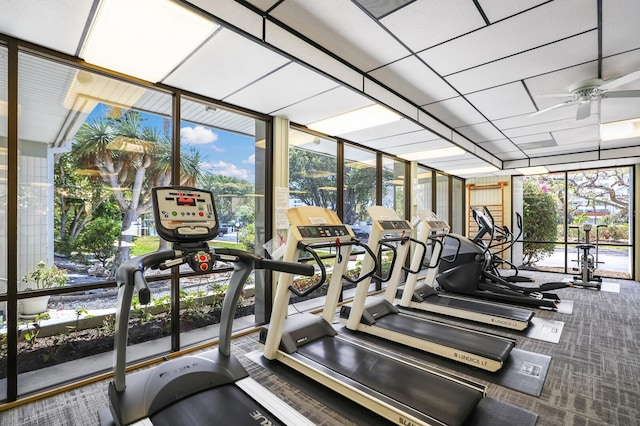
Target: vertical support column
(280, 176)
(634, 223)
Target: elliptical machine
(587, 263)
(466, 268)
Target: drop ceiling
(460, 72)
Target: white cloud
(250, 160)
(198, 135)
(227, 169)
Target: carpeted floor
(593, 379)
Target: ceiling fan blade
(560, 105)
(622, 94)
(584, 110)
(620, 81)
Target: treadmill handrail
(424, 254)
(130, 276)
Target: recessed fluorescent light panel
(434, 153)
(473, 170)
(620, 130)
(536, 170)
(363, 118)
(144, 38)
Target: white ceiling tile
(286, 86)
(481, 132)
(619, 109)
(582, 147)
(500, 146)
(413, 79)
(325, 105)
(620, 27)
(58, 25)
(392, 129)
(503, 101)
(577, 135)
(621, 64)
(538, 137)
(496, 10)
(216, 70)
(544, 24)
(342, 28)
(456, 112)
(407, 142)
(423, 24)
(233, 13)
(622, 143)
(308, 53)
(565, 53)
(568, 123)
(390, 99)
(420, 146)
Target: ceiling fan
(585, 92)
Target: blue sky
(222, 152)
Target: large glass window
(393, 184)
(424, 190)
(442, 197)
(600, 198)
(91, 148)
(312, 170)
(3, 214)
(229, 161)
(359, 189)
(457, 204)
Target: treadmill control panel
(184, 214)
(391, 225)
(323, 231)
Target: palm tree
(130, 159)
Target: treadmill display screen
(388, 225)
(323, 231)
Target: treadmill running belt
(480, 307)
(464, 340)
(224, 405)
(443, 399)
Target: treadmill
(401, 392)
(210, 387)
(426, 297)
(378, 316)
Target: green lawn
(148, 244)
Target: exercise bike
(587, 263)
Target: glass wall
(393, 184)
(359, 192)
(457, 206)
(442, 197)
(600, 198)
(91, 148)
(313, 170)
(424, 190)
(231, 164)
(3, 215)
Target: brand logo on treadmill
(503, 322)
(469, 359)
(406, 422)
(260, 418)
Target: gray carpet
(593, 378)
